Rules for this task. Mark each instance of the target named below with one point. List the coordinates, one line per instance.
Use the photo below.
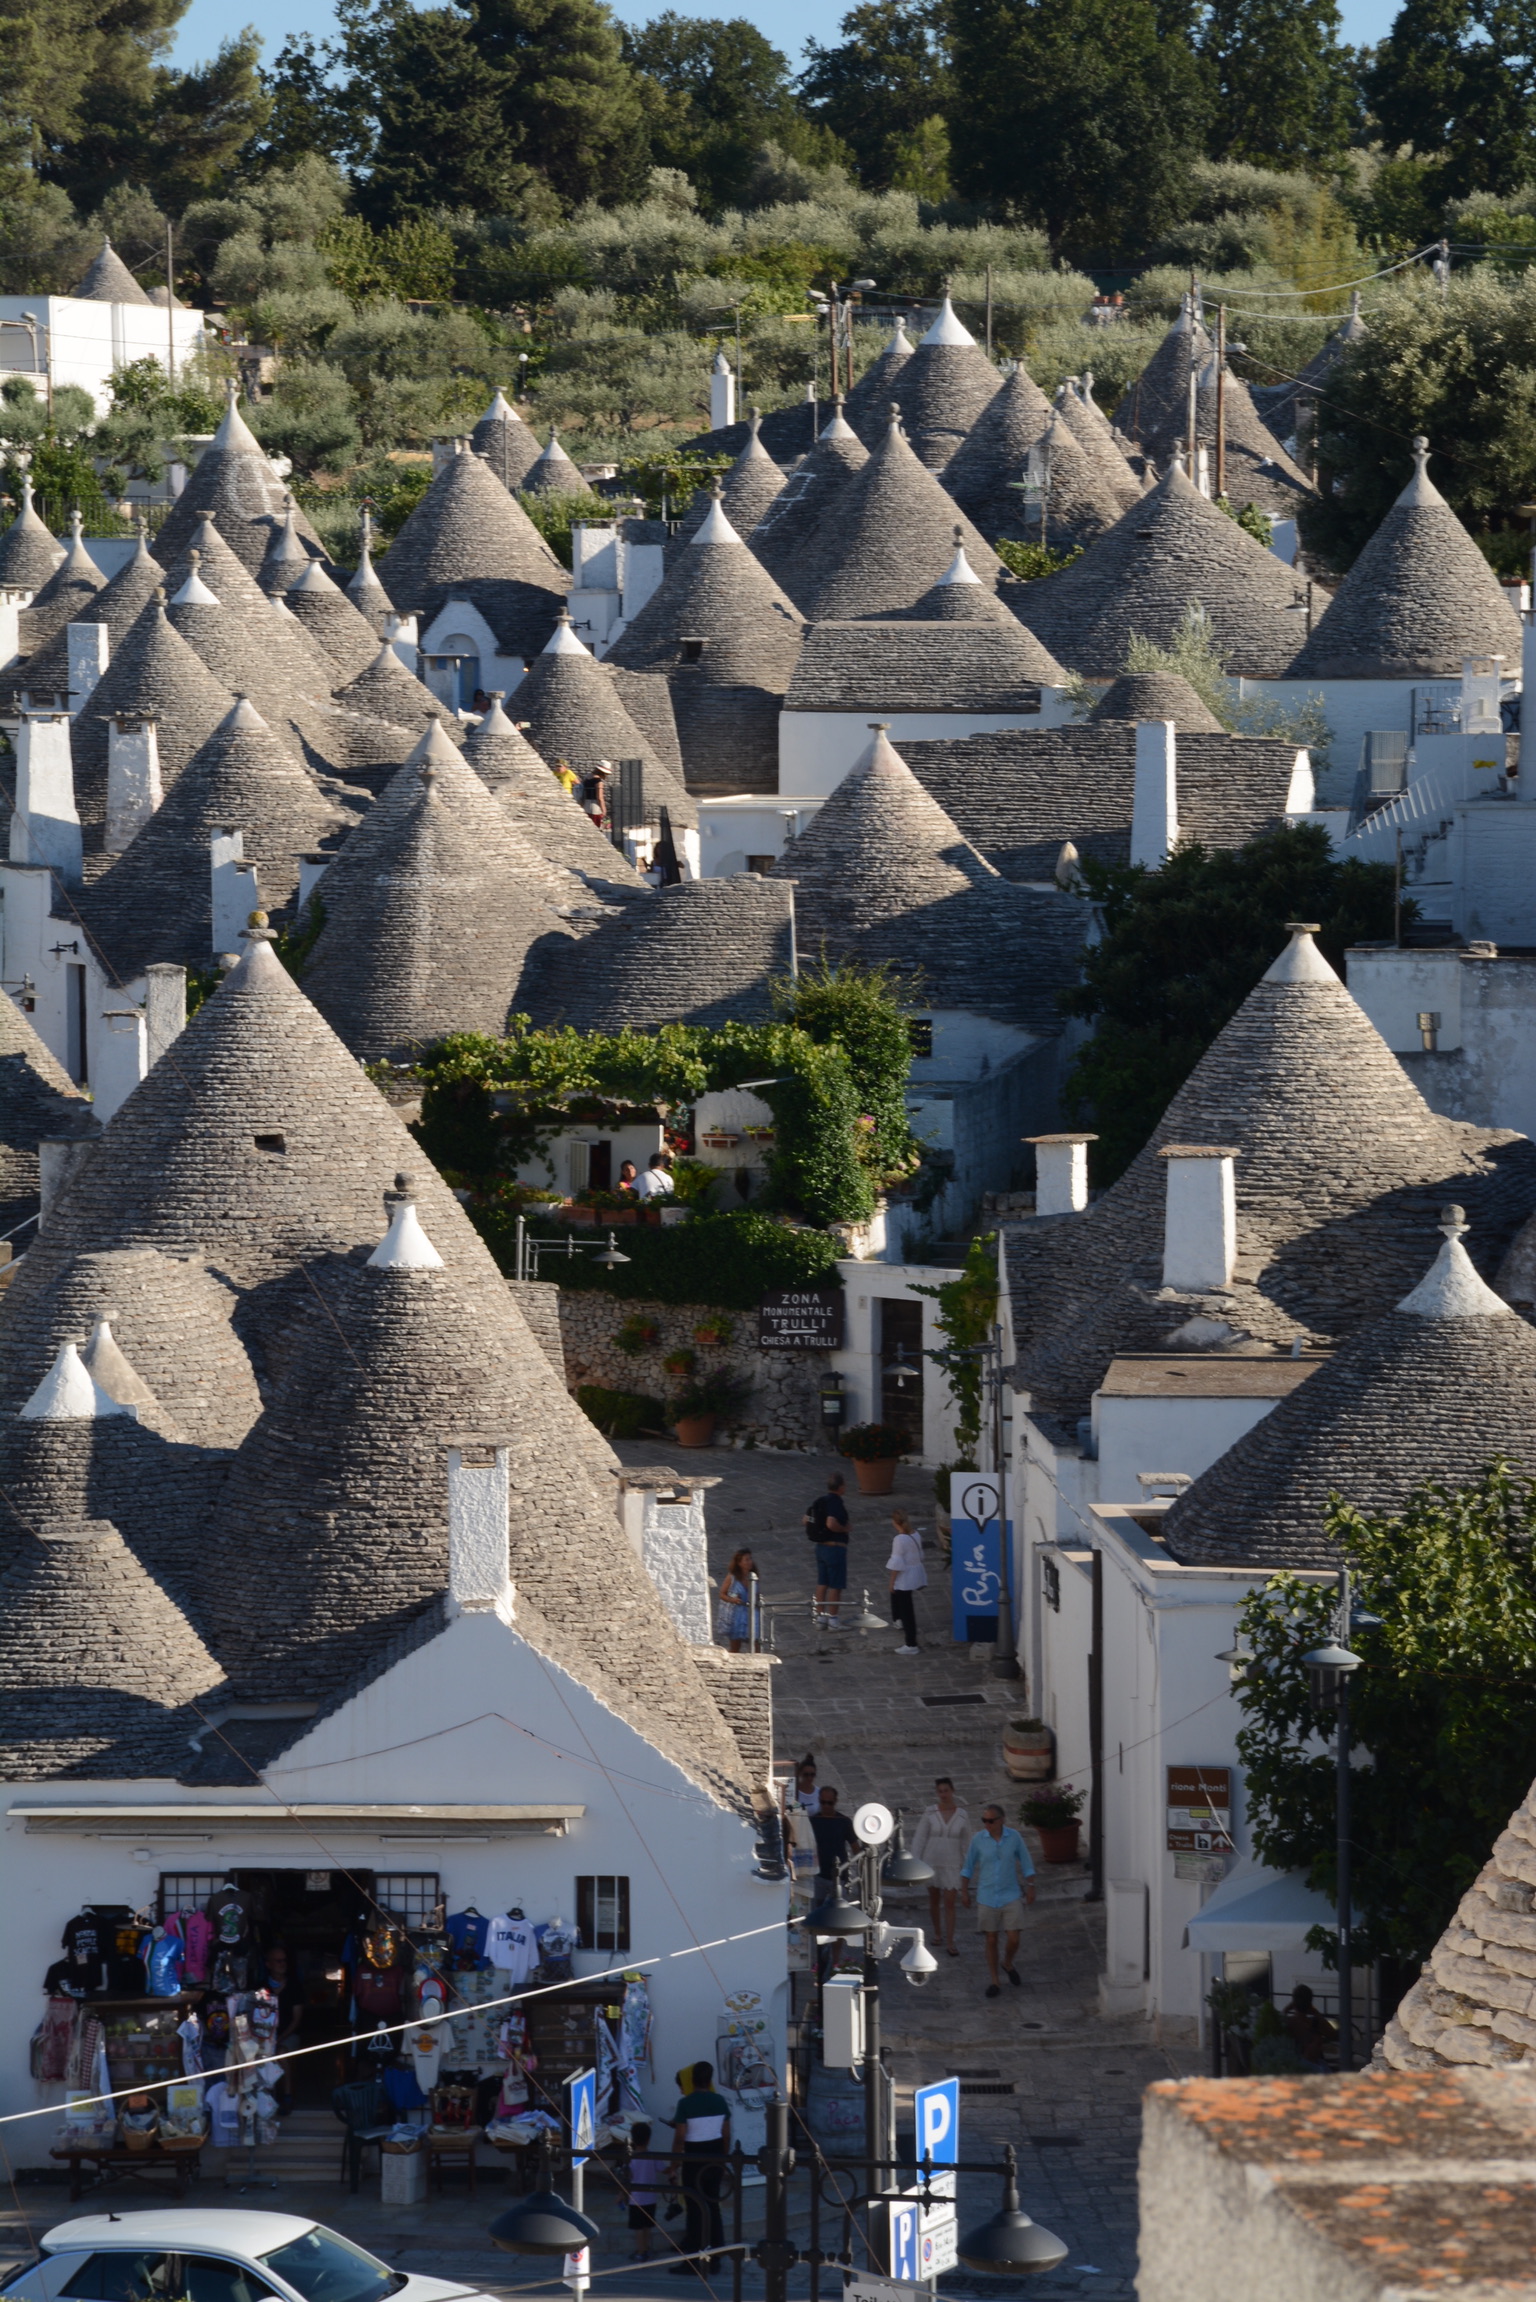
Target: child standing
(647, 2181)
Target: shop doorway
(901, 1366)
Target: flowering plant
(1052, 1806)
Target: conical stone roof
(574, 712)
(364, 588)
(960, 596)
(429, 933)
(885, 538)
(1289, 407)
(234, 485)
(234, 653)
(795, 512)
(71, 588)
(1419, 598)
(747, 492)
(1436, 1389)
(506, 442)
(155, 672)
(1160, 394)
(156, 903)
(107, 280)
(1257, 469)
(332, 622)
(1149, 695)
(1341, 1166)
(552, 473)
(386, 690)
(882, 875)
(1090, 427)
(28, 553)
(726, 694)
(97, 1663)
(286, 556)
(37, 1098)
(341, 1488)
(944, 390)
(704, 951)
(868, 405)
(46, 671)
(540, 808)
(1173, 552)
(467, 535)
(281, 637)
(982, 473)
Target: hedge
(728, 1261)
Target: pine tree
(1458, 78)
(883, 88)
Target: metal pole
(1096, 1736)
(870, 1897)
(1343, 1896)
(170, 301)
(520, 1259)
(1192, 387)
(776, 2254)
(578, 2285)
(1221, 400)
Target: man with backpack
(826, 1523)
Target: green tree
(880, 89)
(1443, 1711)
(714, 91)
(1181, 950)
(1457, 79)
(60, 451)
(1081, 116)
(569, 98)
(1285, 83)
(859, 1009)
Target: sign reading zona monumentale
(801, 1319)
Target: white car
(214, 2254)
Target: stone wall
(785, 1408)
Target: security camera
(919, 1964)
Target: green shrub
(620, 1414)
(729, 1261)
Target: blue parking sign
(937, 2110)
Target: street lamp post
(1330, 1669)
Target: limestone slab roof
(748, 490)
(1258, 469)
(1341, 1171)
(97, 1662)
(343, 1480)
(904, 665)
(428, 931)
(883, 874)
(868, 405)
(298, 657)
(552, 473)
(46, 672)
(885, 537)
(71, 588)
(575, 712)
(703, 951)
(1019, 796)
(1283, 405)
(1138, 695)
(786, 433)
(468, 535)
(960, 596)
(152, 671)
(1160, 393)
(107, 280)
(1095, 435)
(28, 552)
(982, 473)
(540, 807)
(1173, 551)
(332, 622)
(647, 697)
(1419, 598)
(787, 525)
(506, 442)
(37, 1098)
(944, 389)
(366, 590)
(155, 903)
(386, 690)
(233, 651)
(286, 557)
(234, 484)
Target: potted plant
(1028, 1751)
(681, 1362)
(718, 1140)
(697, 1410)
(637, 1334)
(1053, 1811)
(874, 1449)
(693, 1183)
(715, 1334)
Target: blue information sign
(978, 1554)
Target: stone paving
(1073, 2083)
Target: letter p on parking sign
(937, 2110)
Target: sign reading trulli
(801, 1319)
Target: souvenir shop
(372, 1971)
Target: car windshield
(325, 2268)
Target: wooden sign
(801, 1319)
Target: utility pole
(1344, 1895)
(776, 2164)
(170, 301)
(1221, 401)
(1192, 391)
(989, 311)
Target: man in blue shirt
(997, 1864)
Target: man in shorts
(998, 1865)
(826, 1522)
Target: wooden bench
(111, 2162)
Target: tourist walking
(941, 1839)
(805, 1782)
(833, 1832)
(908, 1576)
(998, 1868)
(733, 1614)
(826, 1522)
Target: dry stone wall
(784, 1409)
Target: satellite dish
(873, 1823)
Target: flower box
(719, 1142)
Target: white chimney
(1061, 1173)
(479, 1507)
(45, 827)
(133, 775)
(662, 1515)
(165, 1007)
(119, 1059)
(1200, 1222)
(722, 394)
(11, 605)
(235, 893)
(1155, 804)
(312, 869)
(90, 650)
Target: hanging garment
(426, 2049)
(50, 2047)
(513, 1950)
(84, 2055)
(466, 1931)
(229, 1914)
(165, 1965)
(190, 2033)
(223, 2115)
(197, 1933)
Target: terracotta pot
(580, 1214)
(1060, 1845)
(878, 1477)
(650, 1212)
(695, 1430)
(622, 1215)
(1029, 1756)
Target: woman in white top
(941, 1840)
(908, 1576)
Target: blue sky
(788, 23)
